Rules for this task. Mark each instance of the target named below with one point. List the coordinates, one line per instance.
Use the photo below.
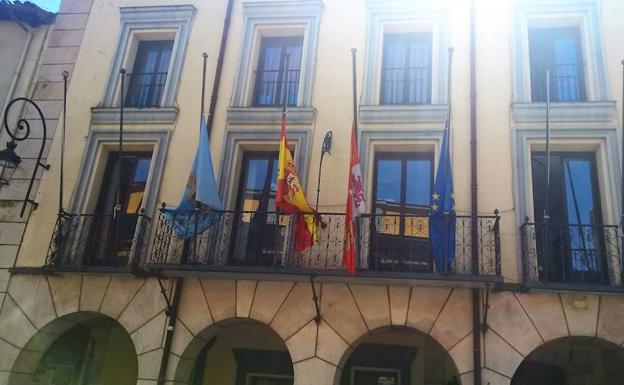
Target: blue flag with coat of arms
(201, 198)
(442, 216)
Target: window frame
(100, 143)
(404, 157)
(129, 90)
(150, 23)
(559, 13)
(283, 43)
(277, 18)
(557, 32)
(424, 36)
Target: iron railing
(98, 240)
(252, 240)
(406, 85)
(145, 89)
(271, 85)
(567, 84)
(572, 254)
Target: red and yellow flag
(291, 198)
(355, 203)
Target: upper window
(151, 48)
(557, 50)
(406, 68)
(149, 75)
(278, 71)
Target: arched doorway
(79, 349)
(572, 361)
(399, 356)
(236, 352)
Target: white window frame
(100, 143)
(277, 18)
(559, 13)
(393, 15)
(150, 23)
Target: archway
(398, 356)
(78, 349)
(572, 360)
(236, 352)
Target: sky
(48, 5)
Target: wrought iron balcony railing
(569, 254)
(261, 241)
(145, 89)
(81, 240)
(406, 85)
(271, 85)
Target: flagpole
(445, 233)
(547, 180)
(622, 177)
(353, 63)
(203, 88)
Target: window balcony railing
(145, 89)
(406, 85)
(582, 256)
(90, 240)
(270, 86)
(386, 245)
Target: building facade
(104, 289)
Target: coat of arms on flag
(356, 203)
(291, 198)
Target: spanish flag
(291, 198)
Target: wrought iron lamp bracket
(22, 132)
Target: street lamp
(9, 161)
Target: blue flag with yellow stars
(442, 210)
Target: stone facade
(37, 305)
(517, 324)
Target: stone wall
(518, 323)
(59, 54)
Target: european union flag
(188, 219)
(442, 210)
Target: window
(111, 235)
(573, 242)
(406, 68)
(557, 50)
(141, 29)
(255, 239)
(274, 82)
(402, 188)
(149, 75)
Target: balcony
(270, 86)
(98, 242)
(573, 257)
(145, 89)
(387, 246)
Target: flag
(200, 193)
(291, 199)
(442, 210)
(356, 203)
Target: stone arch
(81, 344)
(586, 360)
(402, 345)
(242, 336)
(34, 301)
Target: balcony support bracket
(315, 298)
(163, 292)
(485, 306)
